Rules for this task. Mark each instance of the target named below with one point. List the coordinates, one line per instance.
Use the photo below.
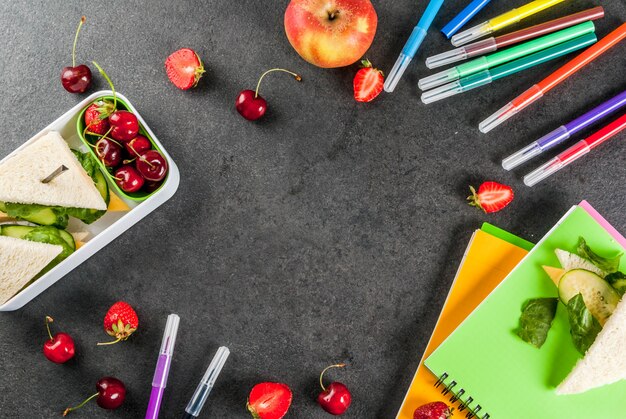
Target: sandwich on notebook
(577, 370)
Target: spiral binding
(455, 396)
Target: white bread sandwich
(604, 362)
(21, 177)
(21, 261)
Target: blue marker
(412, 45)
(462, 18)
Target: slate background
(329, 231)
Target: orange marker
(538, 90)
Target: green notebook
(500, 376)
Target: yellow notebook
(487, 261)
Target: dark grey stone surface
(329, 231)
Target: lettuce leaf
(536, 319)
(583, 326)
(609, 265)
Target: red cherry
(76, 79)
(60, 347)
(336, 398)
(124, 125)
(152, 186)
(137, 145)
(152, 165)
(111, 394)
(128, 179)
(109, 152)
(250, 104)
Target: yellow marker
(502, 21)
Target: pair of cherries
(60, 348)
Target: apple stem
(48, 321)
(104, 74)
(326, 369)
(80, 25)
(118, 339)
(69, 409)
(296, 76)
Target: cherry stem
(104, 74)
(70, 409)
(296, 76)
(146, 161)
(80, 25)
(118, 339)
(326, 369)
(48, 321)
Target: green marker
(510, 54)
(487, 76)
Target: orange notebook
(490, 256)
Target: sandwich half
(604, 363)
(21, 261)
(21, 177)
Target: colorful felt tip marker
(159, 381)
(493, 44)
(564, 132)
(412, 45)
(508, 69)
(501, 57)
(576, 151)
(502, 21)
(463, 17)
(537, 91)
(201, 394)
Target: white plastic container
(112, 224)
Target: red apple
(331, 33)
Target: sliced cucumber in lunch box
(18, 231)
(599, 297)
(37, 214)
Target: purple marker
(564, 132)
(163, 366)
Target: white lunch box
(109, 226)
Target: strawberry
(184, 68)
(121, 321)
(368, 82)
(269, 400)
(491, 196)
(433, 410)
(96, 117)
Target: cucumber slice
(37, 214)
(15, 230)
(101, 185)
(599, 297)
(68, 238)
(19, 231)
